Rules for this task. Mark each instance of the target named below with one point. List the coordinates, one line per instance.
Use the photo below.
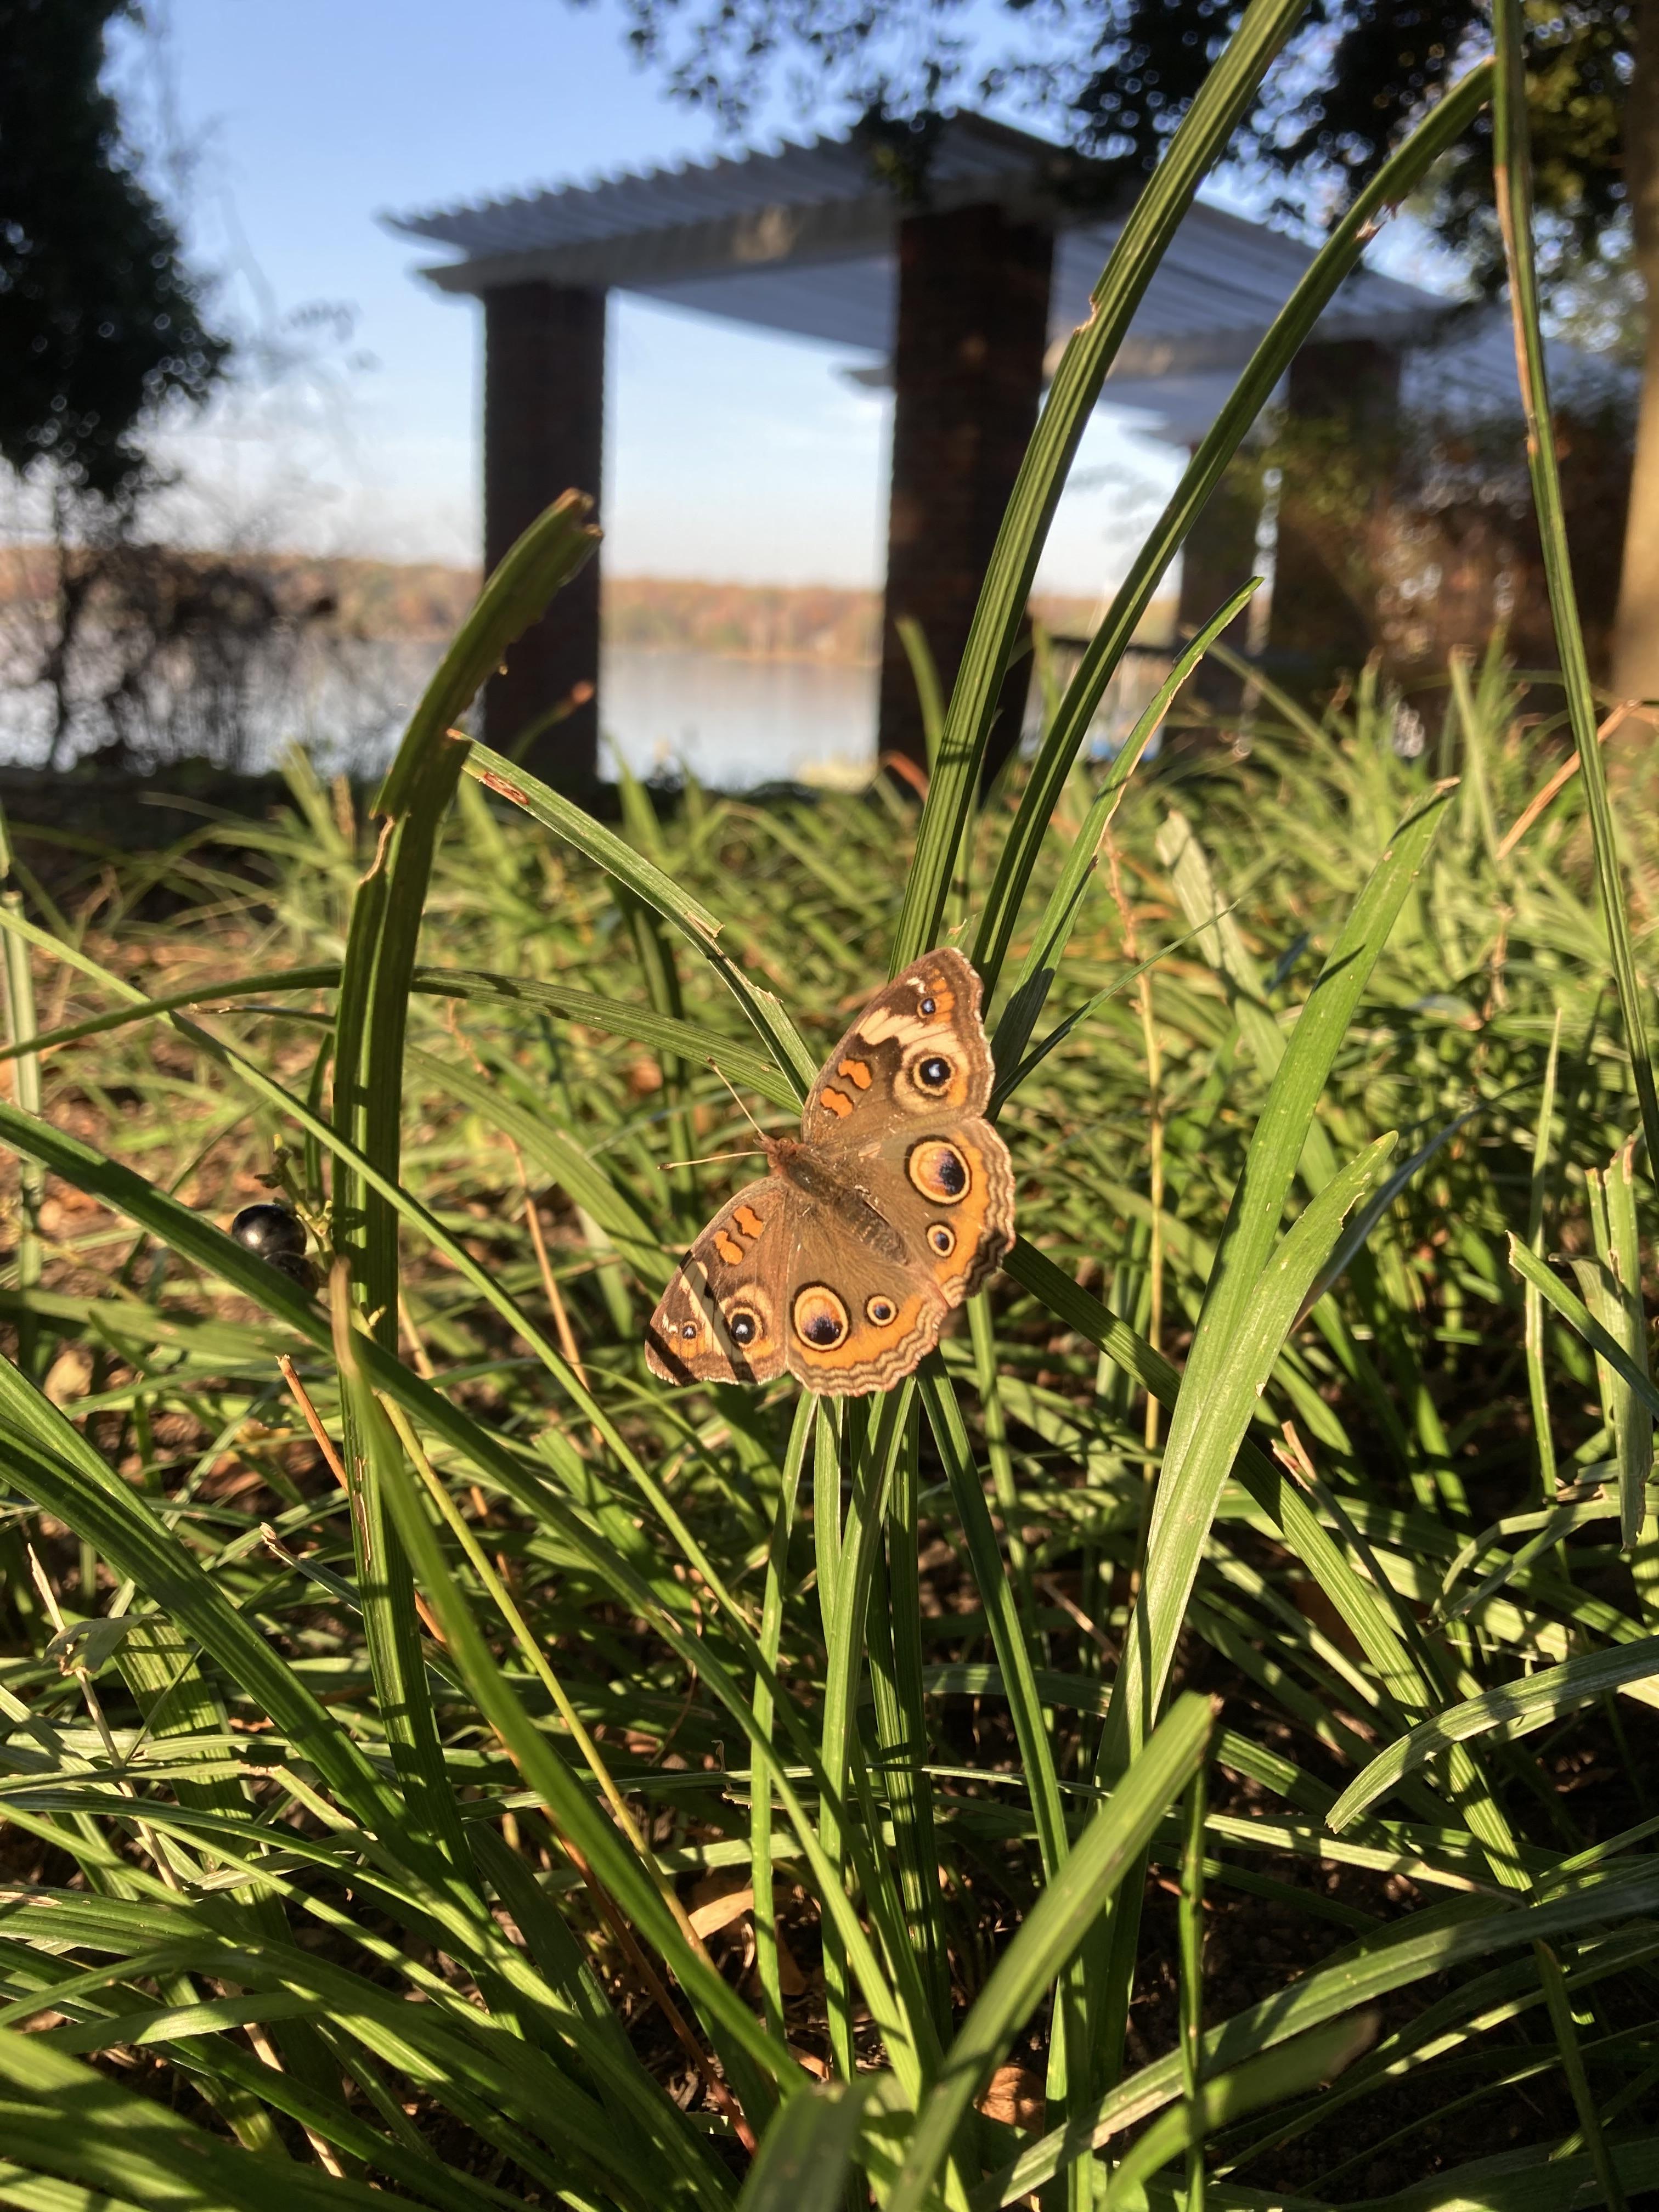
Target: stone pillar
(973, 325)
(1341, 434)
(543, 417)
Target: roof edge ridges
(415, 220)
(422, 221)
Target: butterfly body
(894, 1205)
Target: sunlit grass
(1192, 1738)
(1401, 1405)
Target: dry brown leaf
(791, 1981)
(721, 1911)
(69, 1378)
(1014, 2096)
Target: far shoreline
(416, 602)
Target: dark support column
(1340, 441)
(1218, 559)
(973, 323)
(544, 435)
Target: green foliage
(1115, 81)
(1403, 1385)
(436, 1760)
(99, 322)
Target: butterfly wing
(896, 1119)
(895, 1207)
(918, 1048)
(720, 1319)
(857, 1319)
(949, 1191)
(927, 1215)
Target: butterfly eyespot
(942, 1238)
(688, 1331)
(929, 1006)
(743, 1327)
(879, 1310)
(819, 1317)
(933, 1074)
(938, 1171)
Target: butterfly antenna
(750, 1152)
(741, 1108)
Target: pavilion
(961, 297)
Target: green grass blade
(1073, 1898)
(1512, 176)
(1295, 322)
(1579, 1317)
(766, 1969)
(1038, 971)
(924, 674)
(1211, 1414)
(22, 1030)
(1512, 1710)
(648, 883)
(1362, 1603)
(1186, 1502)
(389, 904)
(1220, 940)
(19, 926)
(615, 1017)
(748, 1069)
(1559, 2004)
(876, 1431)
(1140, 246)
(1531, 2179)
(1362, 1975)
(737, 2036)
(1358, 1234)
(1634, 1429)
(39, 2192)
(806, 2157)
(543, 560)
(321, 977)
(1274, 2078)
(897, 1685)
(134, 2149)
(1195, 2114)
(1002, 1612)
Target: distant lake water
(733, 723)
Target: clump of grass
(1189, 1742)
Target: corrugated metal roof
(800, 239)
(653, 199)
(972, 151)
(834, 282)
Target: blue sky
(731, 454)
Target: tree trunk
(1635, 638)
